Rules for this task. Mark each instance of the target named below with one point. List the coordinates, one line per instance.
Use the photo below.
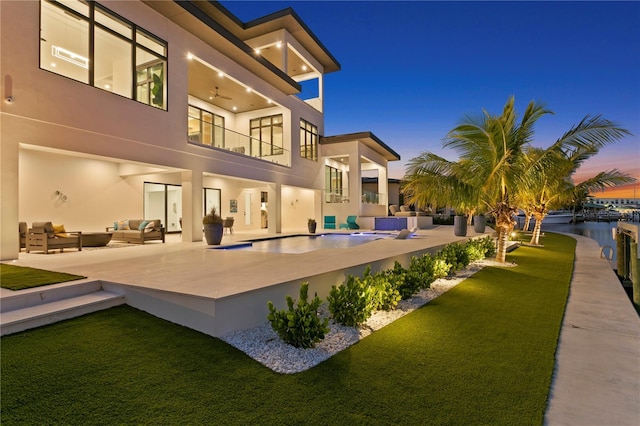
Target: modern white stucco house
(163, 109)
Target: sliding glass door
(164, 202)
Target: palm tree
(548, 176)
(488, 172)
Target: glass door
(164, 202)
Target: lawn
(20, 277)
(483, 353)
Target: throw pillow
(123, 225)
(115, 226)
(143, 224)
(150, 226)
(59, 231)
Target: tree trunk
(501, 250)
(535, 238)
(527, 222)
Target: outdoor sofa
(137, 231)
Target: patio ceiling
(203, 81)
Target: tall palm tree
(488, 172)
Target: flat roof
(369, 139)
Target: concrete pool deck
(597, 374)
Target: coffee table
(96, 239)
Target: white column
(192, 183)
(9, 190)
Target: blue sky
(412, 70)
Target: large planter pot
(312, 227)
(460, 226)
(479, 224)
(213, 233)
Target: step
(58, 310)
(46, 294)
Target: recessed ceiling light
(304, 68)
(220, 74)
(210, 97)
(279, 45)
(189, 56)
(235, 108)
(107, 86)
(248, 89)
(53, 64)
(257, 51)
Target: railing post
(620, 249)
(635, 274)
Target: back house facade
(163, 109)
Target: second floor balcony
(209, 134)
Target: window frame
(92, 24)
(309, 138)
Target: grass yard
(20, 277)
(483, 353)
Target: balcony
(225, 139)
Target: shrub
(456, 255)
(299, 326)
(489, 246)
(384, 295)
(351, 303)
(475, 250)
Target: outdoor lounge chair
(329, 222)
(351, 223)
(42, 237)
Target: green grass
(19, 277)
(483, 353)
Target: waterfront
(599, 231)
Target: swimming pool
(307, 243)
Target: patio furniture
(351, 223)
(96, 239)
(43, 237)
(137, 231)
(227, 224)
(329, 222)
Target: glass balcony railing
(369, 197)
(342, 196)
(223, 138)
(336, 195)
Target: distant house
(165, 109)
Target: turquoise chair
(351, 223)
(329, 222)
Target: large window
(86, 42)
(308, 140)
(266, 136)
(206, 127)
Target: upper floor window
(266, 133)
(206, 127)
(308, 140)
(86, 42)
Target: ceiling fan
(216, 94)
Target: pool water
(304, 244)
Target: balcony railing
(336, 195)
(223, 138)
(369, 197)
(342, 196)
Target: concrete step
(47, 307)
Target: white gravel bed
(263, 344)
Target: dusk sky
(412, 70)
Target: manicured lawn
(20, 277)
(483, 353)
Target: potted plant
(311, 224)
(213, 229)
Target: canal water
(599, 231)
